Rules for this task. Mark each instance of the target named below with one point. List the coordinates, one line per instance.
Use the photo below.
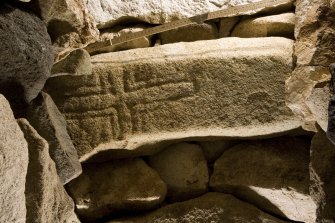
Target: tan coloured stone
(77, 62)
(273, 25)
(227, 25)
(13, 167)
(211, 207)
(111, 188)
(46, 198)
(44, 115)
(272, 174)
(322, 177)
(194, 32)
(183, 168)
(214, 149)
(137, 100)
(109, 12)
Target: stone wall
(219, 121)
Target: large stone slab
(115, 188)
(272, 174)
(46, 198)
(13, 167)
(211, 207)
(108, 12)
(230, 87)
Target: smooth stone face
(227, 25)
(13, 167)
(211, 207)
(183, 168)
(214, 149)
(136, 100)
(194, 32)
(272, 174)
(51, 125)
(112, 188)
(274, 25)
(26, 55)
(46, 198)
(107, 12)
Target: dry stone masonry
(220, 121)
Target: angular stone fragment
(183, 168)
(44, 115)
(194, 32)
(112, 188)
(107, 13)
(46, 198)
(136, 99)
(214, 149)
(13, 167)
(26, 55)
(77, 62)
(273, 25)
(272, 174)
(211, 207)
(322, 176)
(227, 25)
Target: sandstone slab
(211, 207)
(139, 98)
(46, 198)
(274, 25)
(44, 115)
(13, 167)
(272, 174)
(111, 188)
(26, 55)
(108, 12)
(183, 168)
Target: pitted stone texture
(272, 174)
(111, 188)
(274, 25)
(211, 207)
(44, 115)
(214, 149)
(183, 168)
(26, 55)
(13, 167)
(46, 198)
(194, 32)
(108, 12)
(136, 99)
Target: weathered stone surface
(331, 107)
(137, 99)
(274, 25)
(13, 167)
(194, 32)
(227, 25)
(46, 198)
(107, 13)
(315, 33)
(211, 207)
(214, 149)
(183, 168)
(26, 54)
(272, 174)
(77, 62)
(110, 188)
(299, 88)
(44, 115)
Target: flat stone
(211, 207)
(113, 188)
(137, 100)
(77, 62)
(183, 168)
(214, 149)
(26, 55)
(107, 13)
(191, 33)
(44, 115)
(46, 198)
(272, 174)
(13, 167)
(274, 25)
